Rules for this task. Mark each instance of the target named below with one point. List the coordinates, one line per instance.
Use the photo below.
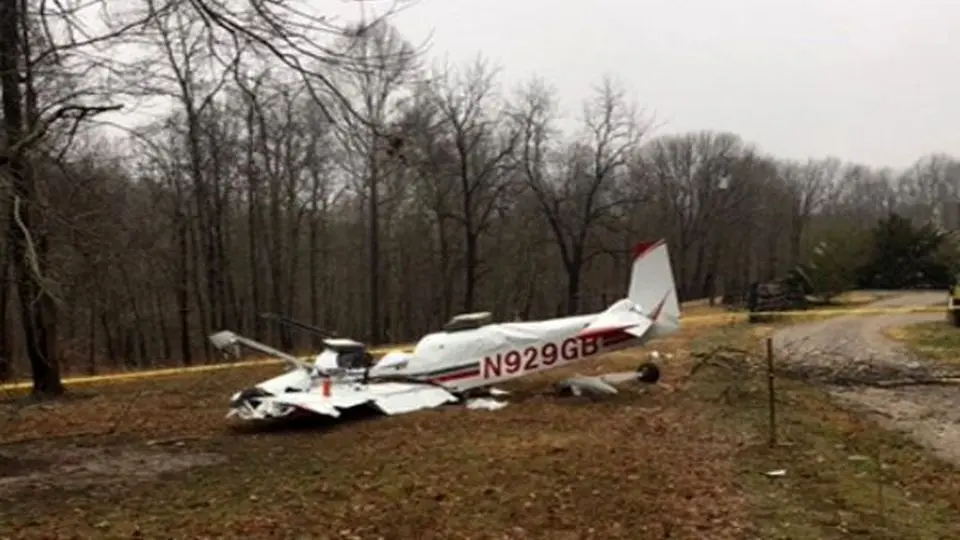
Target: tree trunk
(446, 282)
(313, 263)
(183, 286)
(470, 270)
(108, 338)
(92, 340)
(164, 330)
(293, 274)
(37, 307)
(376, 330)
(194, 250)
(6, 365)
(253, 225)
(574, 270)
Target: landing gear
(648, 372)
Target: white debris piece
(485, 404)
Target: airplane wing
(388, 397)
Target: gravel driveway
(848, 352)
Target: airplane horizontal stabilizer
(639, 330)
(620, 317)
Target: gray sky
(871, 81)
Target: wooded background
(361, 187)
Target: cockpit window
(468, 321)
(354, 359)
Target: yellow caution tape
(837, 311)
(167, 372)
(729, 316)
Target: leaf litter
(154, 459)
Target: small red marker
(326, 387)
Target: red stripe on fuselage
(617, 339)
(456, 376)
(601, 333)
(613, 337)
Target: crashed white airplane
(469, 356)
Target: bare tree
(809, 185)
(865, 194)
(324, 194)
(309, 167)
(426, 145)
(928, 187)
(186, 70)
(371, 92)
(478, 164)
(26, 123)
(702, 178)
(584, 186)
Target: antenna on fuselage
(287, 321)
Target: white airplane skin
(451, 365)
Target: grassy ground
(684, 459)
(699, 313)
(542, 467)
(844, 476)
(937, 340)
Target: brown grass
(153, 459)
(938, 341)
(845, 476)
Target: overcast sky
(872, 81)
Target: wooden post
(771, 393)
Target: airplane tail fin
(651, 307)
(652, 287)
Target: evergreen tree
(903, 255)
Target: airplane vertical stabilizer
(651, 304)
(652, 287)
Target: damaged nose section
(254, 403)
(249, 396)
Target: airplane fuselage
(467, 359)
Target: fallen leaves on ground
(630, 467)
(154, 459)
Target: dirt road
(846, 352)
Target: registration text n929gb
(535, 358)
